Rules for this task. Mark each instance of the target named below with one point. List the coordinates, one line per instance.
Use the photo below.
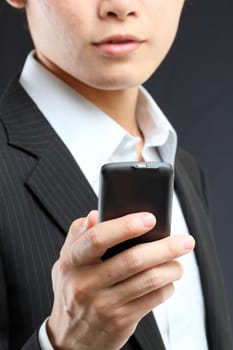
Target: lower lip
(118, 49)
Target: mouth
(118, 45)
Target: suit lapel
(60, 186)
(148, 335)
(195, 213)
(199, 226)
(197, 220)
(56, 180)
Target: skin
(94, 299)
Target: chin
(122, 82)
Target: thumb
(78, 228)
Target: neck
(120, 105)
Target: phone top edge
(138, 164)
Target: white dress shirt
(181, 319)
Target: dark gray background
(193, 86)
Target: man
(78, 104)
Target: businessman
(77, 104)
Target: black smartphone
(130, 187)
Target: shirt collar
(71, 115)
(156, 128)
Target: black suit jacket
(42, 190)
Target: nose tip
(119, 14)
(118, 9)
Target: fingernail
(84, 224)
(148, 219)
(188, 242)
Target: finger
(78, 227)
(131, 313)
(144, 283)
(92, 218)
(140, 307)
(143, 257)
(102, 236)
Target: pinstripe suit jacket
(42, 190)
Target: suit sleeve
(33, 342)
(4, 320)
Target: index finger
(143, 257)
(94, 243)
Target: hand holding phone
(130, 187)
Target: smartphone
(130, 187)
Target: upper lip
(118, 38)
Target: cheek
(165, 33)
(53, 35)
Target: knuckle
(55, 268)
(118, 323)
(124, 324)
(171, 248)
(61, 266)
(74, 226)
(100, 308)
(132, 260)
(169, 290)
(77, 292)
(152, 279)
(177, 269)
(180, 269)
(94, 238)
(165, 292)
(70, 299)
(54, 273)
(80, 294)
